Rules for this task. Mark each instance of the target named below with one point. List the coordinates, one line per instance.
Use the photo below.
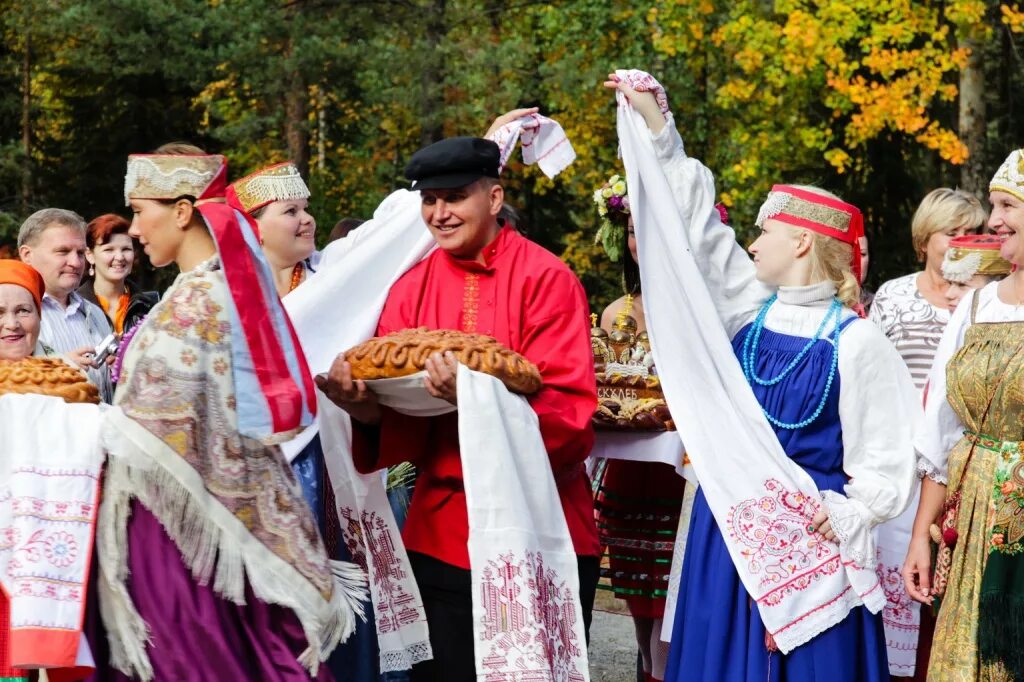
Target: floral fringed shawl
(230, 503)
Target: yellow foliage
(801, 83)
(1012, 17)
(839, 159)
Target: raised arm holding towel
(830, 394)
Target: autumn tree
(879, 101)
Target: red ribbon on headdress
(231, 196)
(217, 186)
(850, 236)
(284, 397)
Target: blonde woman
(825, 380)
(912, 310)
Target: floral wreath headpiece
(611, 198)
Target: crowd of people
(847, 508)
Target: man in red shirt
(484, 278)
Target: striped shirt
(912, 324)
(78, 325)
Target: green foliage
(853, 95)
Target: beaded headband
(279, 182)
(974, 254)
(169, 176)
(1010, 176)
(818, 213)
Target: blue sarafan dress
(718, 635)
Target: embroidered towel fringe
(214, 546)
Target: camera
(106, 347)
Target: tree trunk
(296, 96)
(296, 124)
(26, 125)
(972, 120)
(432, 77)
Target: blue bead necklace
(750, 351)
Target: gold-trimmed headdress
(279, 182)
(170, 176)
(1010, 176)
(974, 254)
(819, 213)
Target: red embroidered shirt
(529, 300)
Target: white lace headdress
(170, 176)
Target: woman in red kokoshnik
(825, 380)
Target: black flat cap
(452, 163)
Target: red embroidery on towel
(529, 622)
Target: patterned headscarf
(273, 384)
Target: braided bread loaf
(47, 376)
(405, 352)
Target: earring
(92, 271)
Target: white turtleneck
(878, 404)
(822, 293)
(799, 310)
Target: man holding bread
(484, 278)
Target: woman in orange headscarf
(21, 293)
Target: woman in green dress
(971, 451)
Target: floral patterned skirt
(955, 648)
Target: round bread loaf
(405, 352)
(47, 376)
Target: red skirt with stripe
(637, 506)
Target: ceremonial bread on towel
(629, 395)
(631, 403)
(47, 376)
(405, 352)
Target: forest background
(878, 100)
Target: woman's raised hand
(645, 103)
